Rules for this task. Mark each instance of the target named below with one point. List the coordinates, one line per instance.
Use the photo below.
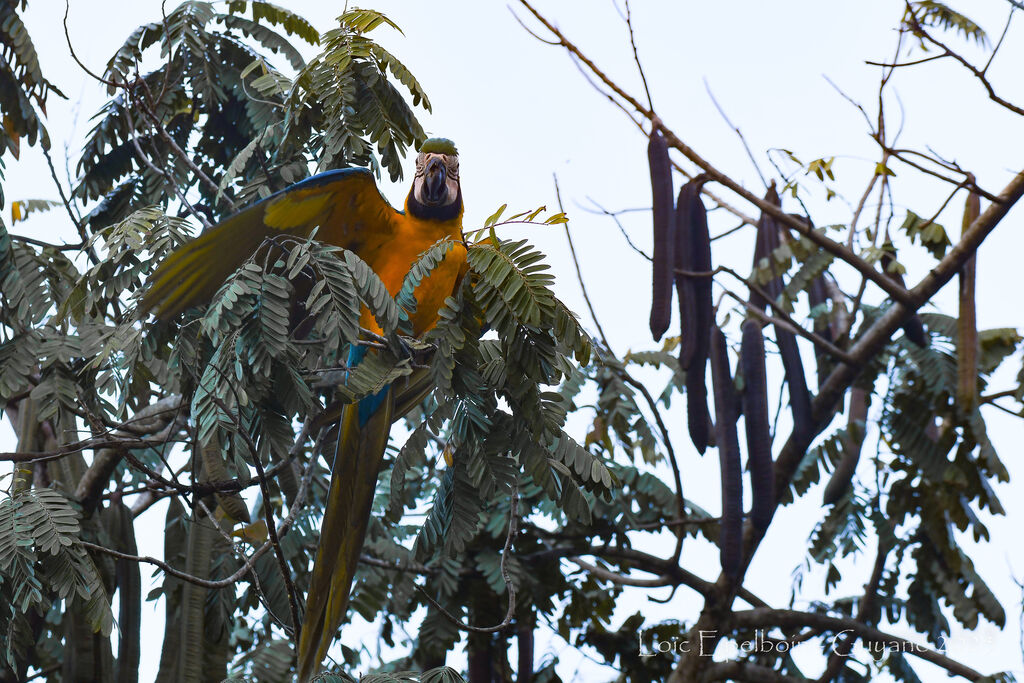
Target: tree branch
(784, 618)
(896, 292)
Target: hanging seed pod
(818, 295)
(842, 477)
(731, 535)
(967, 322)
(697, 419)
(796, 380)
(699, 260)
(685, 285)
(913, 328)
(766, 243)
(700, 243)
(664, 239)
(129, 589)
(768, 239)
(755, 418)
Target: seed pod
(841, 478)
(766, 243)
(129, 588)
(967, 322)
(700, 243)
(664, 239)
(818, 295)
(755, 418)
(793, 366)
(685, 285)
(697, 419)
(731, 534)
(913, 328)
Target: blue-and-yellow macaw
(350, 213)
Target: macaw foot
(400, 347)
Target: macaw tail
(362, 438)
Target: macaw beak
(435, 186)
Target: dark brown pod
(817, 295)
(697, 418)
(664, 238)
(756, 422)
(767, 242)
(913, 328)
(967, 321)
(796, 380)
(842, 477)
(685, 285)
(731, 535)
(700, 243)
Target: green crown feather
(438, 146)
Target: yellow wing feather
(345, 204)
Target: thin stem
(579, 273)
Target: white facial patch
(451, 167)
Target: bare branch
(896, 292)
(761, 617)
(977, 73)
(736, 130)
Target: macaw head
(435, 189)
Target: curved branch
(785, 618)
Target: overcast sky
(520, 112)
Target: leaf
(493, 218)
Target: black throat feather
(444, 212)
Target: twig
(783, 318)
(979, 74)
(1014, 6)
(841, 651)
(76, 220)
(901, 64)
(860, 208)
(178, 151)
(246, 566)
(268, 516)
(672, 461)
(787, 323)
(413, 567)
(736, 129)
(614, 216)
(74, 56)
(513, 521)
(77, 447)
(619, 579)
(161, 172)
(636, 55)
(579, 273)
(47, 245)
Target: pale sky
(520, 112)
